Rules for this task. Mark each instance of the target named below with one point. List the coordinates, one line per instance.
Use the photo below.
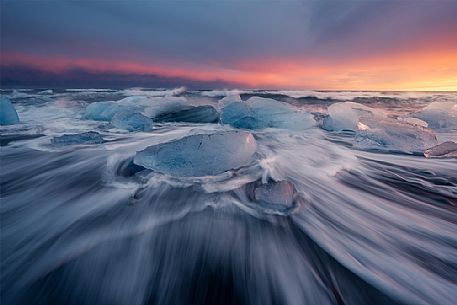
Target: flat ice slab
(199, 155)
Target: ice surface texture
(199, 114)
(392, 135)
(8, 114)
(90, 137)
(346, 115)
(258, 113)
(104, 111)
(439, 115)
(199, 155)
(131, 121)
(444, 150)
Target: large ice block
(199, 155)
(439, 115)
(258, 112)
(346, 115)
(447, 149)
(8, 114)
(392, 135)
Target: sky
(326, 45)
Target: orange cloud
(418, 70)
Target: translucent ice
(161, 105)
(103, 111)
(346, 115)
(90, 137)
(198, 114)
(8, 114)
(258, 112)
(131, 121)
(392, 135)
(439, 115)
(199, 155)
(275, 193)
(444, 150)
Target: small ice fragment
(131, 121)
(198, 114)
(444, 150)
(392, 135)
(90, 137)
(199, 155)
(439, 115)
(278, 193)
(346, 115)
(8, 114)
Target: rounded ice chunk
(259, 112)
(346, 115)
(131, 121)
(199, 155)
(8, 114)
(439, 115)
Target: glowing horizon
(323, 46)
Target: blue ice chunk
(131, 121)
(198, 114)
(199, 155)
(346, 115)
(439, 115)
(90, 137)
(392, 135)
(258, 112)
(102, 111)
(8, 114)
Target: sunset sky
(352, 45)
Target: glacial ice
(131, 121)
(104, 111)
(198, 114)
(274, 193)
(90, 137)
(258, 112)
(439, 115)
(392, 135)
(447, 149)
(199, 155)
(161, 105)
(346, 115)
(8, 114)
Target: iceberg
(439, 115)
(8, 114)
(447, 149)
(392, 135)
(346, 115)
(131, 121)
(200, 154)
(90, 137)
(198, 114)
(258, 113)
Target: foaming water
(80, 225)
